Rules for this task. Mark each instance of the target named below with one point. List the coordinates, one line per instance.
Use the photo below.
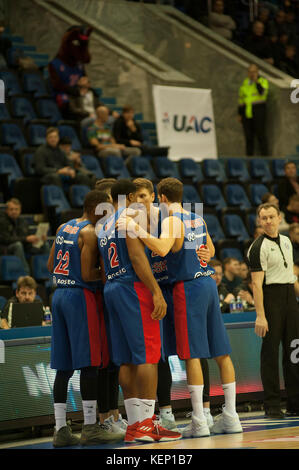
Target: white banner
(185, 122)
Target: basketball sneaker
(169, 422)
(197, 428)
(121, 424)
(93, 434)
(149, 430)
(209, 418)
(114, 426)
(226, 424)
(65, 438)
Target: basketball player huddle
(158, 298)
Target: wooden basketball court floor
(258, 433)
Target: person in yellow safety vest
(253, 95)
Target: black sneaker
(292, 413)
(274, 413)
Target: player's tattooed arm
(89, 255)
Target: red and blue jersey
(68, 75)
(113, 248)
(184, 265)
(67, 257)
(158, 263)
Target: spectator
(65, 144)
(272, 199)
(243, 270)
(126, 130)
(294, 237)
(25, 293)
(253, 95)
(289, 184)
(52, 164)
(224, 296)
(101, 138)
(246, 292)
(231, 279)
(5, 44)
(290, 25)
(288, 62)
(258, 44)
(264, 17)
(221, 24)
(292, 210)
(14, 234)
(279, 24)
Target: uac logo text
(192, 124)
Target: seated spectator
(221, 24)
(294, 237)
(288, 185)
(258, 44)
(101, 138)
(14, 234)
(83, 107)
(65, 144)
(246, 293)
(292, 210)
(289, 62)
(243, 270)
(290, 25)
(25, 293)
(264, 17)
(257, 232)
(279, 23)
(272, 199)
(224, 296)
(52, 164)
(232, 279)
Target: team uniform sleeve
(257, 258)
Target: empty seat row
(29, 82)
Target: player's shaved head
(93, 198)
(122, 187)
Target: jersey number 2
(62, 268)
(113, 258)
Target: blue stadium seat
(4, 113)
(114, 167)
(278, 167)
(34, 83)
(251, 223)
(259, 169)
(68, 131)
(36, 134)
(12, 84)
(21, 107)
(256, 192)
(77, 194)
(165, 168)
(12, 135)
(214, 227)
(234, 227)
(39, 267)
(3, 301)
(212, 196)
(213, 169)
(27, 163)
(140, 167)
(230, 253)
(54, 196)
(237, 169)
(11, 268)
(236, 196)
(48, 109)
(190, 169)
(8, 165)
(190, 195)
(93, 165)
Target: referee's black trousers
(282, 314)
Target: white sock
(196, 400)
(147, 408)
(206, 411)
(166, 413)
(60, 415)
(89, 411)
(230, 398)
(132, 407)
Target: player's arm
(143, 270)
(50, 263)
(102, 270)
(89, 255)
(205, 254)
(261, 324)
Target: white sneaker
(209, 418)
(197, 428)
(168, 422)
(117, 426)
(226, 424)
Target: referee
(270, 259)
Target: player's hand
(160, 307)
(261, 327)
(32, 239)
(126, 224)
(204, 254)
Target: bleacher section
(229, 188)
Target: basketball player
(200, 332)
(145, 195)
(78, 330)
(135, 305)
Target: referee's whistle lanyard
(284, 260)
